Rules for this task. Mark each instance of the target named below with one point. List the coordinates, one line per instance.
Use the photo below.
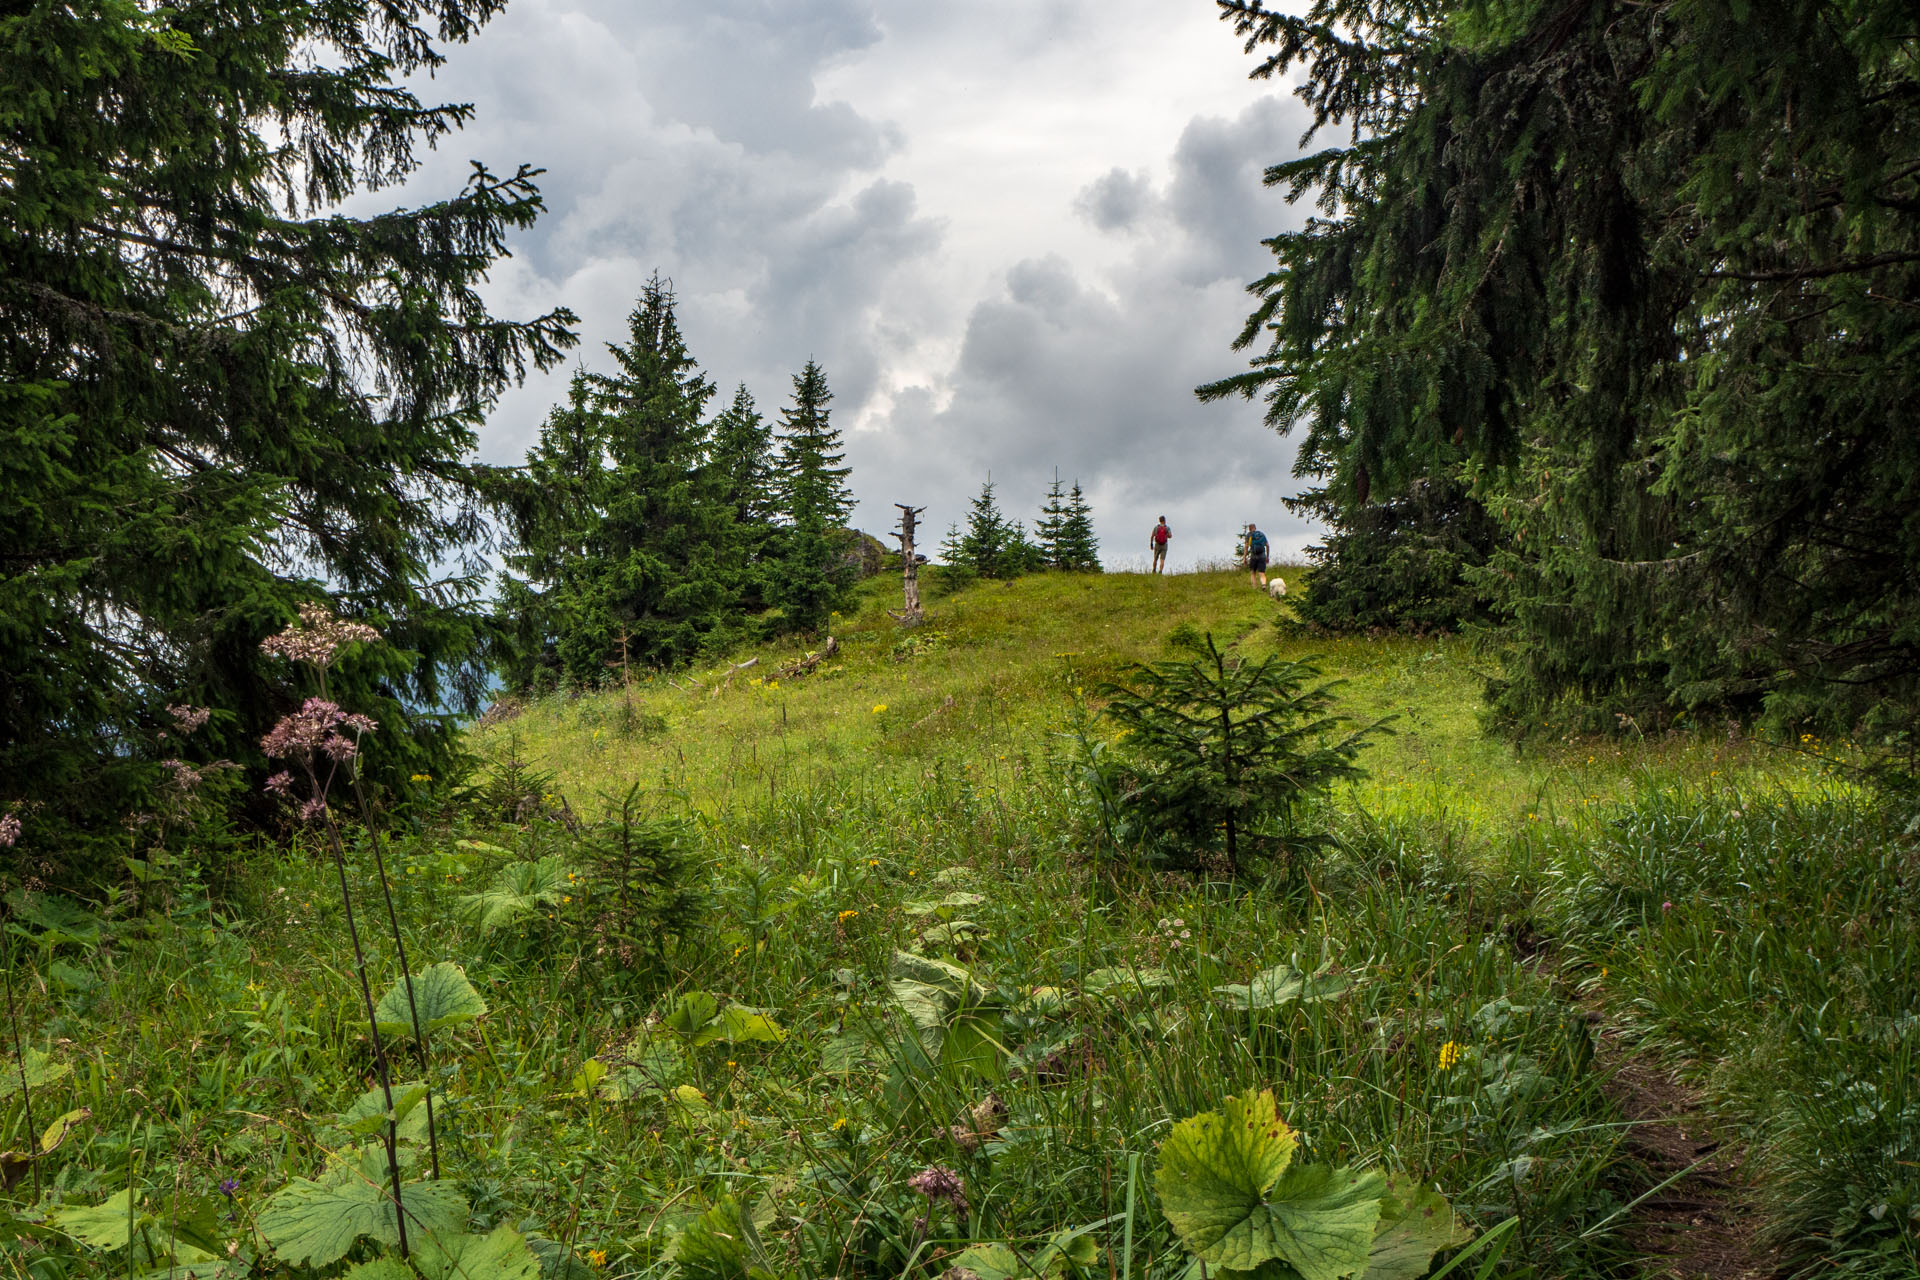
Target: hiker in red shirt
(1158, 541)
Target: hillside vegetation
(884, 1010)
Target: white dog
(1276, 586)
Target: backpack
(1160, 533)
(1257, 543)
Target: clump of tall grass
(1768, 943)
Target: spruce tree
(984, 548)
(552, 513)
(1642, 284)
(1050, 530)
(1079, 545)
(812, 578)
(746, 460)
(642, 566)
(227, 391)
(747, 465)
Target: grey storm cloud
(1095, 377)
(1007, 256)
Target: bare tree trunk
(910, 566)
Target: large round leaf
(441, 995)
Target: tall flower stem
(26, 1094)
(373, 1028)
(375, 838)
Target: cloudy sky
(1015, 233)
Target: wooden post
(909, 566)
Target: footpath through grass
(1735, 909)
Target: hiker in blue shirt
(1256, 556)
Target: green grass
(215, 1031)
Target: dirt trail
(1703, 1225)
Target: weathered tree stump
(910, 614)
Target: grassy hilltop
(1503, 961)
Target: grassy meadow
(1494, 931)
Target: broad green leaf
(1227, 1185)
(56, 1133)
(1415, 1223)
(1121, 981)
(441, 995)
(844, 1053)
(106, 1226)
(958, 933)
(1067, 1251)
(691, 1013)
(714, 1245)
(381, 1269)
(517, 891)
(1280, 985)
(932, 994)
(1216, 1167)
(947, 904)
(990, 1262)
(739, 1024)
(368, 1114)
(315, 1223)
(60, 920)
(502, 1254)
(691, 1100)
(586, 1081)
(70, 978)
(1318, 1218)
(41, 1071)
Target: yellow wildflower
(878, 707)
(847, 915)
(597, 1258)
(1449, 1055)
(423, 777)
(840, 1124)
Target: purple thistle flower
(228, 1186)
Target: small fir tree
(986, 548)
(1079, 547)
(1222, 752)
(813, 578)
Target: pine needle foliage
(1063, 535)
(625, 542)
(813, 579)
(1222, 754)
(221, 395)
(1643, 278)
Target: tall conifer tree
(642, 566)
(817, 499)
(224, 392)
(1050, 530)
(1642, 279)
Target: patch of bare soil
(1702, 1225)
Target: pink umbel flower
(186, 718)
(313, 810)
(940, 1184)
(281, 784)
(317, 637)
(315, 727)
(9, 829)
